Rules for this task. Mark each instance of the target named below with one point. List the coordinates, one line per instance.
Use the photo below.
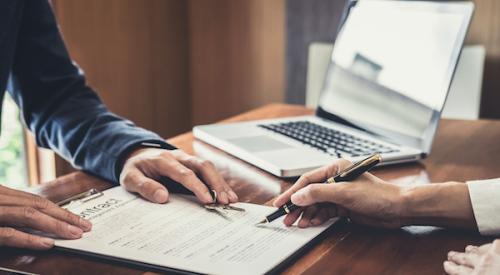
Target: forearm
(444, 204)
(60, 109)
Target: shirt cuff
(485, 199)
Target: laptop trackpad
(259, 143)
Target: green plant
(12, 161)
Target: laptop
(385, 88)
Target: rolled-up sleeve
(485, 199)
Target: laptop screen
(392, 66)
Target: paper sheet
(183, 235)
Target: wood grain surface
(463, 150)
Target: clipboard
(170, 270)
(92, 194)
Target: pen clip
(81, 198)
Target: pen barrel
(283, 210)
(291, 207)
(276, 214)
(355, 173)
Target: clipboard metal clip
(78, 199)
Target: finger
(315, 193)
(185, 176)
(135, 181)
(34, 219)
(292, 217)
(211, 177)
(307, 215)
(15, 193)
(495, 247)
(315, 176)
(465, 259)
(49, 208)
(471, 248)
(321, 216)
(453, 269)
(14, 238)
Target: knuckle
(206, 164)
(31, 239)
(305, 178)
(60, 226)
(41, 203)
(146, 187)
(134, 179)
(186, 174)
(7, 233)
(71, 217)
(343, 163)
(29, 212)
(460, 258)
(127, 177)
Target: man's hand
(482, 260)
(24, 210)
(367, 200)
(144, 167)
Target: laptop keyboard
(330, 141)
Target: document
(183, 235)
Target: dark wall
(170, 64)
(307, 21)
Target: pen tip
(264, 221)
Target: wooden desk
(463, 150)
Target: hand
(24, 210)
(367, 200)
(481, 260)
(144, 167)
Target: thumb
(135, 181)
(315, 193)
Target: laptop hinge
(331, 117)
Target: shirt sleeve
(485, 199)
(63, 112)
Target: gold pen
(350, 173)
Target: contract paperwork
(183, 235)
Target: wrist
(406, 199)
(411, 204)
(439, 204)
(138, 151)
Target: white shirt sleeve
(485, 199)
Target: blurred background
(170, 64)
